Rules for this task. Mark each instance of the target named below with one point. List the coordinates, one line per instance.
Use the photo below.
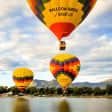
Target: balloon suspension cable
(64, 91)
(62, 46)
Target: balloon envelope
(65, 68)
(61, 16)
(22, 78)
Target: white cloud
(91, 78)
(9, 22)
(3, 36)
(100, 49)
(6, 62)
(80, 42)
(8, 7)
(6, 22)
(98, 18)
(8, 44)
(96, 63)
(101, 8)
(102, 52)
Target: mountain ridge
(53, 83)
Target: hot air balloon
(61, 16)
(65, 68)
(22, 78)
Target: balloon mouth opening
(64, 87)
(62, 29)
(22, 89)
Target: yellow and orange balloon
(65, 68)
(22, 78)
(61, 16)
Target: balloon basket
(21, 94)
(62, 45)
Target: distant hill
(53, 83)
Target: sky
(26, 42)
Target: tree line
(70, 91)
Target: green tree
(14, 90)
(98, 91)
(76, 91)
(86, 91)
(69, 91)
(3, 89)
(52, 90)
(109, 89)
(41, 91)
(59, 91)
(30, 90)
(47, 90)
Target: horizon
(105, 81)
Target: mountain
(43, 83)
(53, 83)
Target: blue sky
(26, 42)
